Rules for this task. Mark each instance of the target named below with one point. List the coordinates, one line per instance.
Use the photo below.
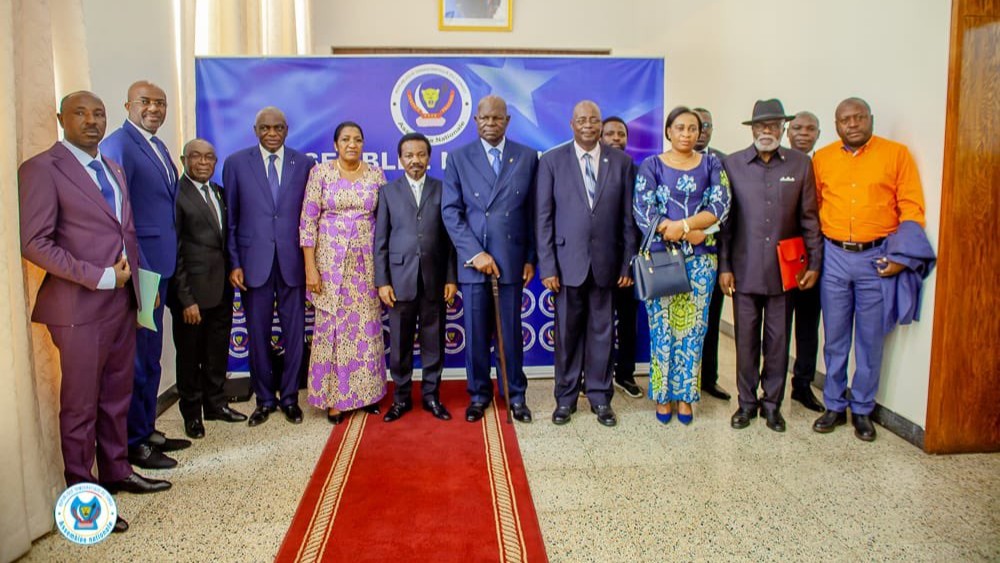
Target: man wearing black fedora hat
(774, 199)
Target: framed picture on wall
(475, 15)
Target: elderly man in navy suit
(487, 209)
(76, 224)
(585, 241)
(415, 275)
(152, 183)
(265, 185)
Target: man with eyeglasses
(868, 190)
(710, 353)
(152, 182)
(774, 199)
(585, 240)
(803, 131)
(200, 296)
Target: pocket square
(787, 179)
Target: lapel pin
(511, 160)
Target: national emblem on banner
(431, 99)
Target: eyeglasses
(586, 120)
(775, 126)
(146, 102)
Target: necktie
(495, 152)
(208, 199)
(589, 178)
(165, 157)
(272, 176)
(106, 190)
(415, 188)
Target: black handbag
(661, 273)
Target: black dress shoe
(164, 444)
(521, 412)
(628, 386)
(371, 409)
(437, 409)
(260, 414)
(829, 421)
(562, 414)
(742, 417)
(137, 485)
(605, 414)
(149, 457)
(773, 418)
(475, 411)
(717, 392)
(225, 414)
(292, 412)
(807, 399)
(121, 526)
(335, 418)
(194, 428)
(863, 427)
(396, 411)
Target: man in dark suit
(415, 275)
(614, 132)
(774, 198)
(487, 208)
(76, 224)
(584, 211)
(710, 352)
(803, 132)
(152, 183)
(200, 295)
(265, 185)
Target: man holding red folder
(774, 203)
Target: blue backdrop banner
(435, 96)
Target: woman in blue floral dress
(684, 195)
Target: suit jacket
(573, 239)
(770, 203)
(484, 212)
(68, 230)
(259, 228)
(411, 242)
(202, 274)
(152, 195)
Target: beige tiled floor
(637, 492)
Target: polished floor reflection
(638, 492)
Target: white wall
(721, 54)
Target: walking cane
(501, 354)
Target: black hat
(767, 110)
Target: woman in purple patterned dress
(347, 364)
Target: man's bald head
(271, 128)
(83, 119)
(199, 160)
(146, 105)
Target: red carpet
(418, 489)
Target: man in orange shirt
(866, 186)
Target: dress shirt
(864, 195)
(595, 155)
(107, 280)
(488, 147)
(266, 154)
(417, 187)
(149, 140)
(211, 201)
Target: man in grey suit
(200, 296)
(583, 201)
(415, 275)
(774, 198)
